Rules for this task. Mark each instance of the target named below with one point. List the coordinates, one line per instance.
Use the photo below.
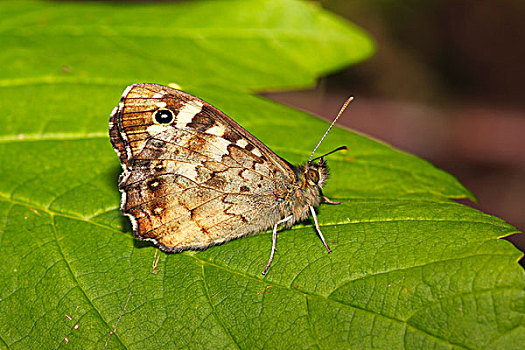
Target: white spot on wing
(182, 168)
(257, 152)
(160, 104)
(156, 129)
(242, 143)
(158, 95)
(158, 210)
(187, 112)
(217, 130)
(189, 171)
(218, 144)
(123, 199)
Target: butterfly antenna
(331, 125)
(326, 154)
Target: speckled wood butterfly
(194, 178)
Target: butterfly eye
(164, 116)
(313, 175)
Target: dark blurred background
(447, 83)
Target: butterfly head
(315, 174)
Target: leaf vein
(214, 311)
(375, 274)
(312, 328)
(340, 302)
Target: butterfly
(193, 178)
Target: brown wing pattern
(200, 179)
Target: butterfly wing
(199, 179)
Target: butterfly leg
(274, 241)
(329, 201)
(319, 229)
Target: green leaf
(249, 44)
(410, 268)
